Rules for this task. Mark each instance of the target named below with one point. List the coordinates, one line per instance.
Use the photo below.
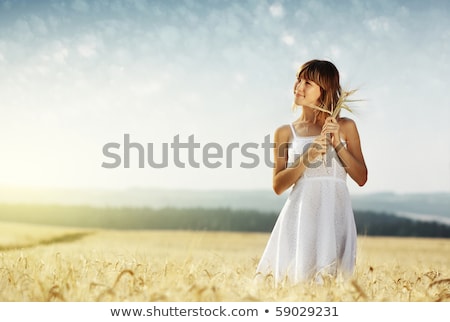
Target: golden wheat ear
(341, 104)
(319, 108)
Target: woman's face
(306, 92)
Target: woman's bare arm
(352, 157)
(285, 176)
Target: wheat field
(43, 263)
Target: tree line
(368, 223)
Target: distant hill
(418, 203)
(418, 206)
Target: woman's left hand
(331, 126)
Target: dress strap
(293, 130)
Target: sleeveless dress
(315, 233)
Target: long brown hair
(326, 75)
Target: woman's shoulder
(283, 132)
(348, 126)
(283, 128)
(347, 123)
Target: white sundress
(315, 232)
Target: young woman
(315, 233)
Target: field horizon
(424, 206)
(49, 263)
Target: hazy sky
(76, 75)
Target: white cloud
(379, 24)
(60, 55)
(88, 46)
(86, 50)
(335, 51)
(277, 10)
(288, 40)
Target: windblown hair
(326, 75)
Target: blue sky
(76, 75)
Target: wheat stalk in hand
(342, 103)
